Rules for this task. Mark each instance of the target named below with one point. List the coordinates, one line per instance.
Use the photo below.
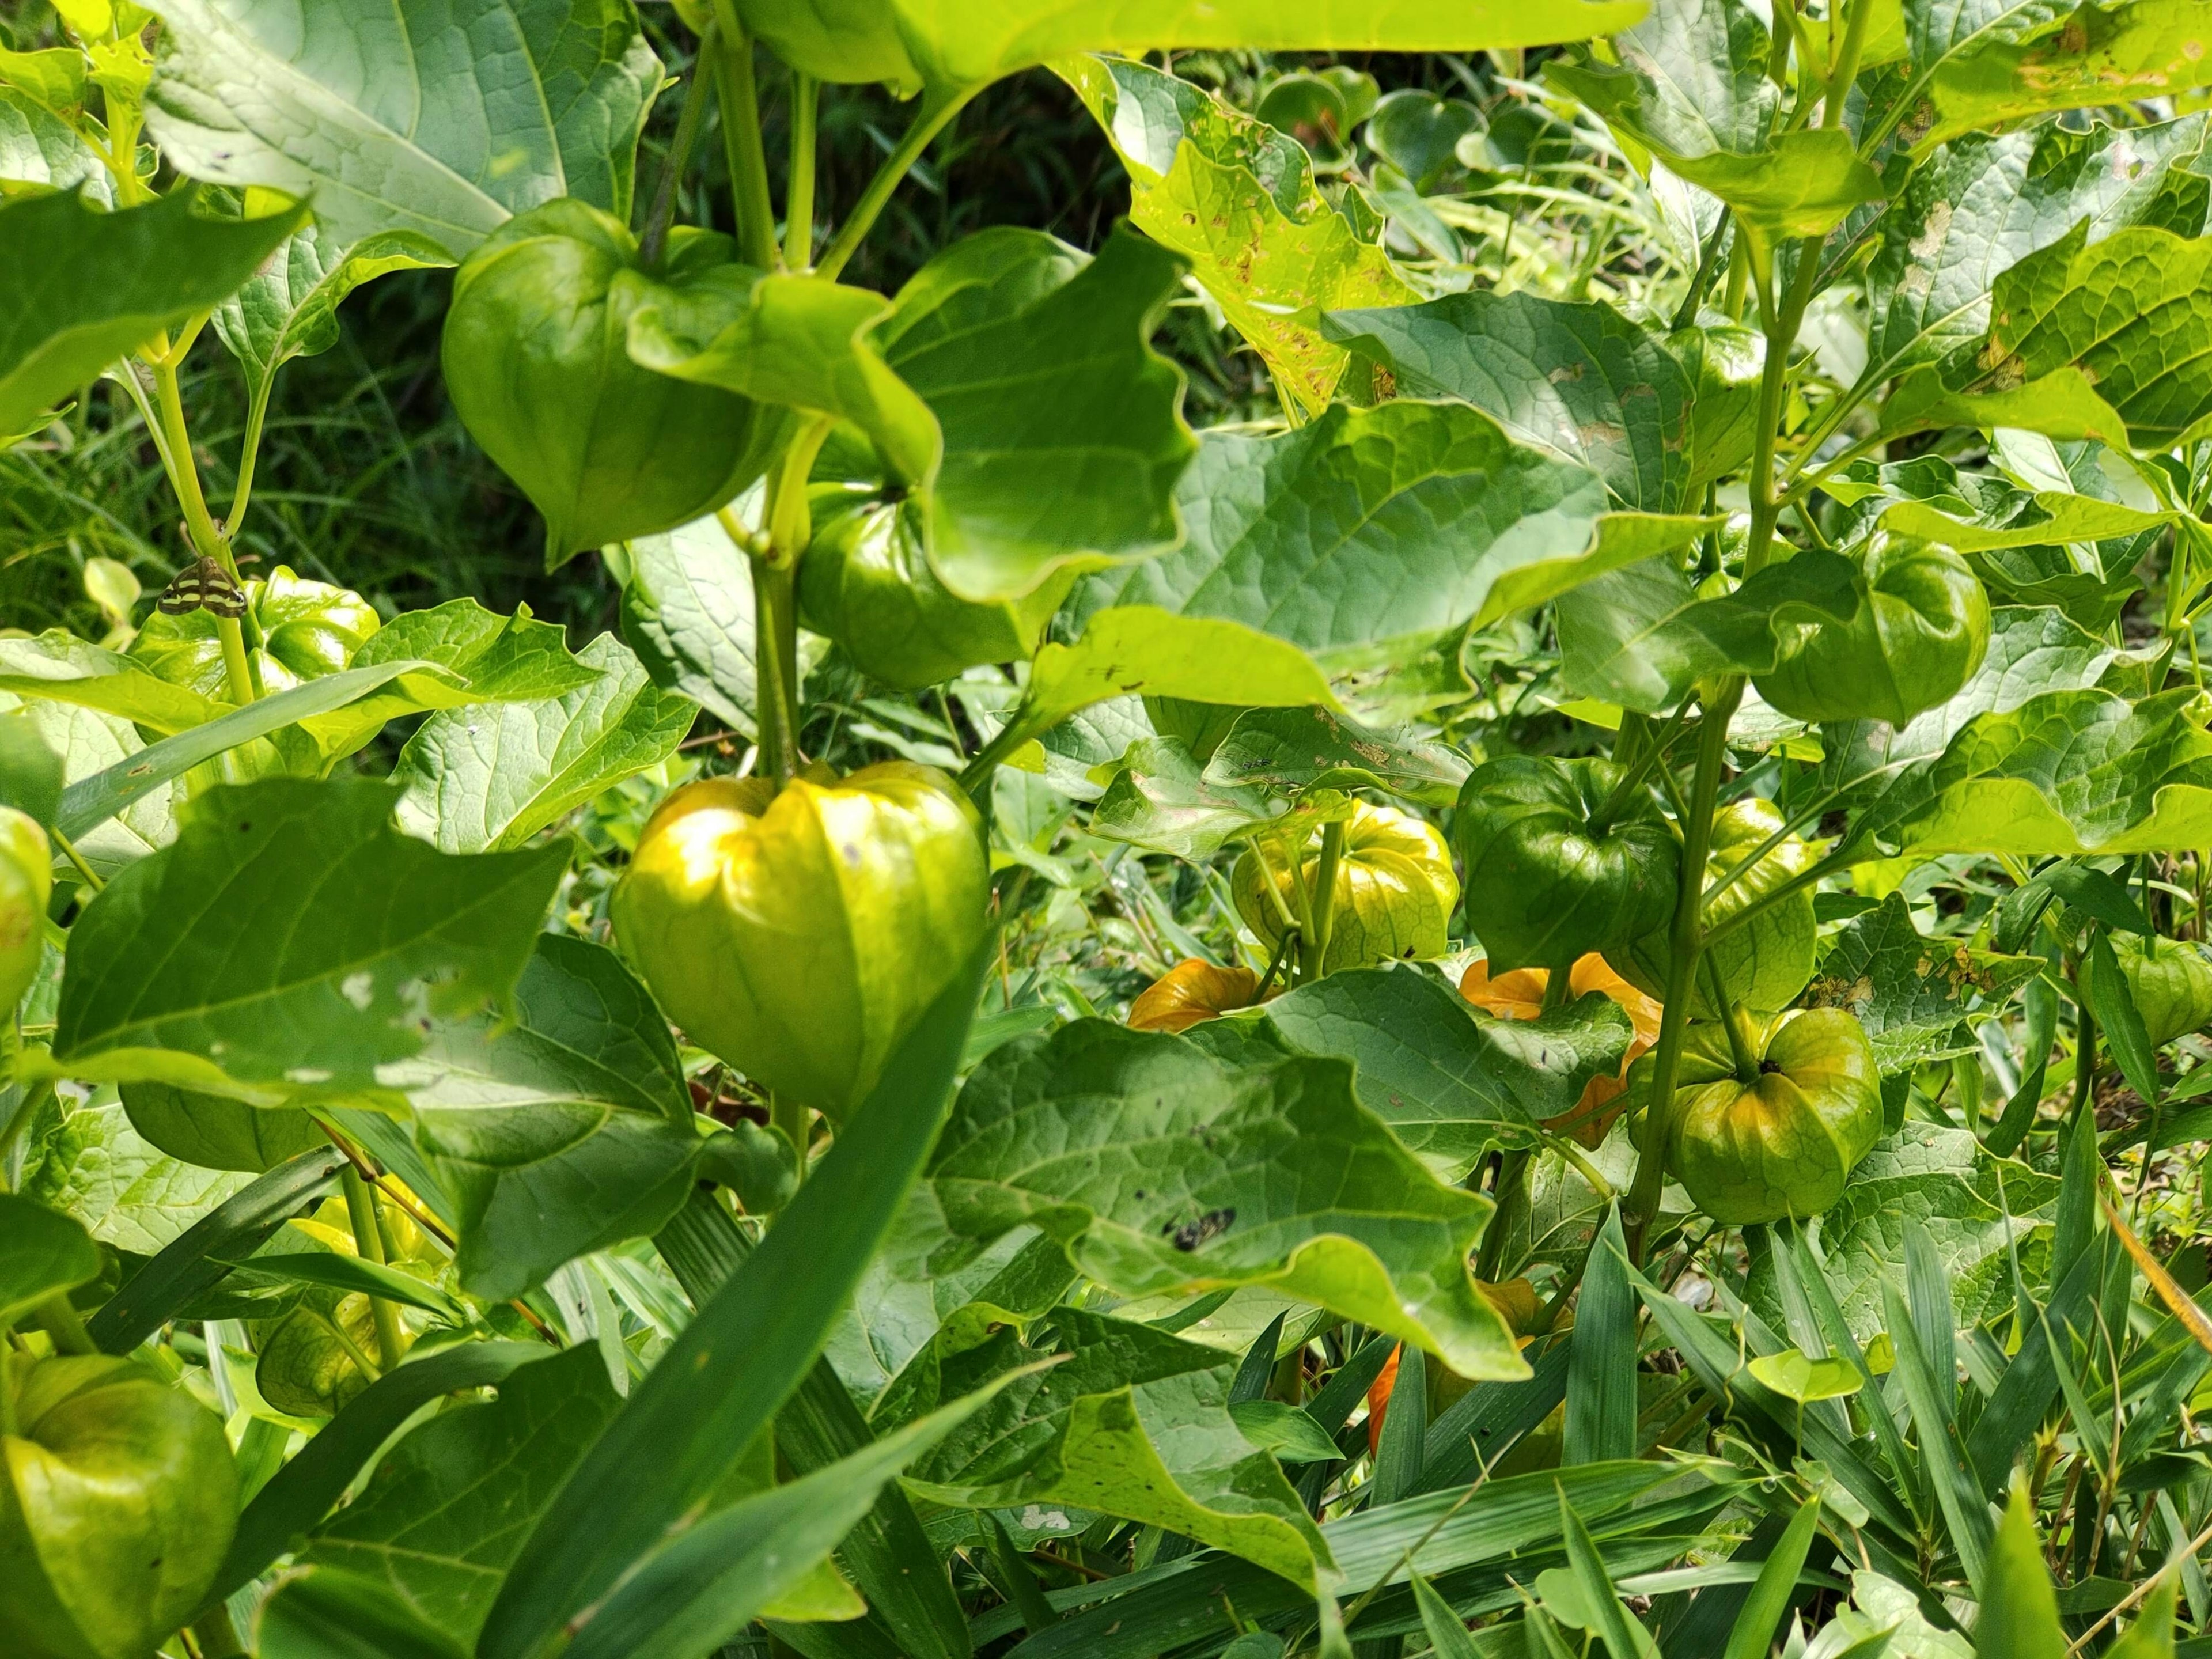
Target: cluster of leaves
(1341, 1298)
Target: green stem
(775, 668)
(1842, 858)
(1846, 69)
(206, 540)
(249, 453)
(1588, 1171)
(85, 871)
(1782, 323)
(1740, 1043)
(678, 162)
(368, 1239)
(1685, 941)
(937, 110)
(795, 1120)
(1559, 988)
(741, 142)
(2085, 1055)
(1019, 729)
(60, 1318)
(34, 1098)
(799, 199)
(1313, 952)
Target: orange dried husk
(1191, 991)
(1519, 995)
(1516, 1301)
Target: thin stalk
(1511, 1196)
(741, 141)
(1685, 942)
(1567, 1149)
(775, 668)
(1738, 1023)
(1842, 858)
(1559, 988)
(1313, 952)
(975, 776)
(1701, 283)
(1793, 823)
(85, 871)
(206, 540)
(249, 453)
(368, 1239)
(937, 110)
(678, 162)
(799, 198)
(2084, 1056)
(1639, 769)
(1783, 321)
(795, 1120)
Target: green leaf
(2075, 62)
(459, 653)
(449, 1505)
(1623, 1637)
(328, 1270)
(1163, 801)
(195, 1260)
(1451, 1081)
(1577, 379)
(31, 773)
(288, 309)
(2071, 772)
(559, 1128)
(2086, 340)
(291, 936)
(1915, 998)
(1753, 1635)
(43, 1253)
(956, 46)
(59, 666)
(1158, 1167)
(794, 342)
(1447, 1632)
(390, 129)
(488, 779)
(1288, 1432)
(1601, 1405)
(1368, 533)
(1289, 751)
(704, 1585)
(80, 288)
(87, 1162)
(2118, 1020)
(692, 1418)
(327, 1614)
(1796, 1375)
(1972, 1204)
(300, 1493)
(1691, 86)
(1984, 202)
(1641, 637)
(1135, 1424)
(40, 149)
(91, 801)
(1035, 364)
(1133, 650)
(2019, 1607)
(1236, 198)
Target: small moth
(202, 585)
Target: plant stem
(678, 162)
(249, 453)
(59, 1316)
(775, 668)
(1312, 950)
(795, 1120)
(975, 776)
(206, 540)
(1782, 327)
(741, 142)
(937, 109)
(1511, 1195)
(1559, 988)
(1738, 1022)
(799, 198)
(361, 1210)
(1846, 69)
(1685, 941)
(90, 877)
